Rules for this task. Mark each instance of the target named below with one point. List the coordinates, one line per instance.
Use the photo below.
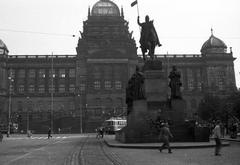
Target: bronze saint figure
(175, 83)
(149, 38)
(135, 88)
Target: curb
(232, 140)
(132, 146)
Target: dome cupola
(214, 45)
(105, 8)
(3, 48)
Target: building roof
(105, 8)
(213, 42)
(2, 44)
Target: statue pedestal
(136, 124)
(155, 85)
(140, 127)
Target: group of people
(100, 132)
(165, 135)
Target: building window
(21, 89)
(82, 87)
(118, 84)
(96, 72)
(220, 80)
(31, 88)
(108, 85)
(52, 73)
(12, 73)
(72, 73)
(31, 73)
(41, 73)
(61, 88)
(72, 88)
(51, 88)
(190, 79)
(21, 73)
(11, 88)
(62, 73)
(41, 88)
(97, 85)
(199, 80)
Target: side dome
(214, 44)
(3, 46)
(105, 8)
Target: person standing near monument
(1, 136)
(165, 134)
(217, 136)
(49, 133)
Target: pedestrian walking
(29, 133)
(102, 131)
(49, 133)
(97, 132)
(217, 136)
(165, 134)
(1, 136)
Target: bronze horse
(149, 38)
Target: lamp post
(52, 76)
(27, 115)
(9, 105)
(80, 113)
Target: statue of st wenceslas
(149, 38)
(175, 83)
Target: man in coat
(165, 134)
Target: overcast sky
(182, 25)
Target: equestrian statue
(149, 38)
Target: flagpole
(137, 9)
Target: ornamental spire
(211, 31)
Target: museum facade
(76, 93)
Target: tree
(234, 101)
(210, 108)
(214, 107)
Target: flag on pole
(133, 3)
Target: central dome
(105, 8)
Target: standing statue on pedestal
(175, 83)
(149, 38)
(135, 88)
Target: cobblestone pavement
(204, 156)
(92, 151)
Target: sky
(43, 27)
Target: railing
(39, 56)
(176, 55)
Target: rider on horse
(149, 38)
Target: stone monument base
(139, 128)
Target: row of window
(41, 88)
(32, 73)
(108, 85)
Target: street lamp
(9, 105)
(80, 113)
(27, 115)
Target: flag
(134, 3)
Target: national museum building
(78, 92)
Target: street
(87, 150)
